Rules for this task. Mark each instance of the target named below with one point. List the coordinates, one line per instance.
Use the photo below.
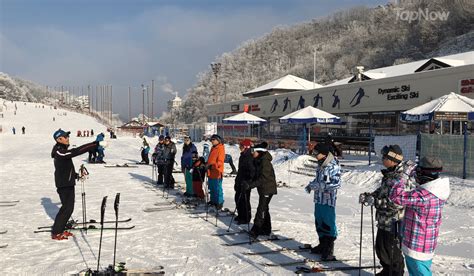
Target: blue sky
(130, 42)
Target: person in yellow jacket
(215, 170)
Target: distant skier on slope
(65, 178)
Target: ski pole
(207, 196)
(373, 236)
(102, 213)
(360, 244)
(116, 207)
(235, 210)
(246, 213)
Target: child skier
(422, 219)
(387, 213)
(199, 173)
(325, 186)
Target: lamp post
(216, 67)
(144, 90)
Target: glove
(208, 167)
(103, 144)
(308, 189)
(244, 186)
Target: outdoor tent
(310, 115)
(244, 118)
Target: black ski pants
(169, 180)
(242, 202)
(262, 224)
(389, 253)
(67, 197)
(161, 173)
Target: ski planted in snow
(73, 224)
(271, 238)
(91, 227)
(318, 269)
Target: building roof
(412, 67)
(288, 82)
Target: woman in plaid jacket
(422, 219)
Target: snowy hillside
(176, 239)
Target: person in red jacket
(215, 166)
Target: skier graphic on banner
(301, 102)
(337, 101)
(274, 105)
(360, 94)
(316, 100)
(287, 103)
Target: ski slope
(174, 239)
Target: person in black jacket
(169, 154)
(264, 181)
(246, 172)
(65, 178)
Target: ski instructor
(65, 178)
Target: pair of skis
(320, 269)
(8, 203)
(271, 238)
(74, 225)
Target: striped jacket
(327, 181)
(386, 210)
(422, 216)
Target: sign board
(450, 116)
(466, 86)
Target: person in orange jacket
(215, 170)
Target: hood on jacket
(265, 155)
(439, 187)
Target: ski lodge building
(376, 96)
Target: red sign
(246, 108)
(466, 86)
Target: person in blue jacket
(100, 150)
(187, 164)
(144, 152)
(325, 186)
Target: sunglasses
(213, 139)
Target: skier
(264, 181)
(100, 149)
(199, 173)
(65, 179)
(325, 186)
(215, 166)
(169, 154)
(23, 130)
(422, 218)
(186, 165)
(206, 149)
(228, 159)
(389, 214)
(92, 132)
(159, 160)
(144, 152)
(13, 130)
(246, 173)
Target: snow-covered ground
(173, 239)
